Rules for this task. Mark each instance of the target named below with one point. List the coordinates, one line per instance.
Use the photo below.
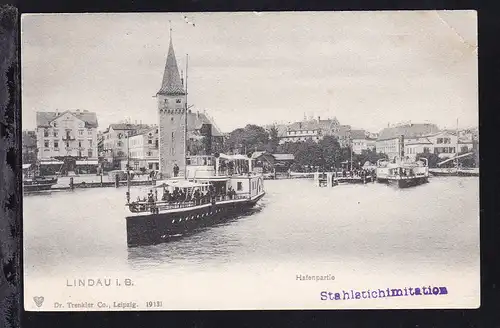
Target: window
(56, 144)
(67, 144)
(79, 153)
(156, 143)
(89, 132)
(90, 142)
(149, 153)
(80, 132)
(45, 133)
(56, 133)
(426, 149)
(54, 124)
(46, 144)
(239, 186)
(464, 149)
(178, 101)
(439, 140)
(90, 152)
(446, 140)
(150, 141)
(80, 143)
(119, 144)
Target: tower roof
(171, 84)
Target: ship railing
(153, 207)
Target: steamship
(402, 171)
(208, 196)
(214, 188)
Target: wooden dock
(103, 184)
(330, 179)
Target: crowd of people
(360, 173)
(182, 195)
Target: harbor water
(367, 236)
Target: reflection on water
(295, 223)
(195, 245)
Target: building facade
(315, 130)
(143, 151)
(114, 141)
(389, 139)
(171, 102)
(362, 140)
(445, 144)
(66, 134)
(29, 147)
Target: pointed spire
(171, 84)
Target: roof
(171, 84)
(43, 119)
(408, 131)
(313, 124)
(233, 157)
(465, 141)
(257, 154)
(196, 120)
(143, 131)
(358, 134)
(129, 126)
(420, 141)
(284, 157)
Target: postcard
(250, 161)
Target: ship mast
(456, 150)
(186, 122)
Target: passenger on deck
(151, 197)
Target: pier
(72, 183)
(331, 179)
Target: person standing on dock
(176, 170)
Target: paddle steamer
(207, 196)
(403, 172)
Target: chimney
(319, 118)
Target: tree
(248, 139)
(433, 159)
(273, 140)
(469, 161)
(368, 155)
(331, 150)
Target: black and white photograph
(250, 161)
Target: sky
(367, 69)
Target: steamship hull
(151, 229)
(409, 182)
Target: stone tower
(171, 110)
